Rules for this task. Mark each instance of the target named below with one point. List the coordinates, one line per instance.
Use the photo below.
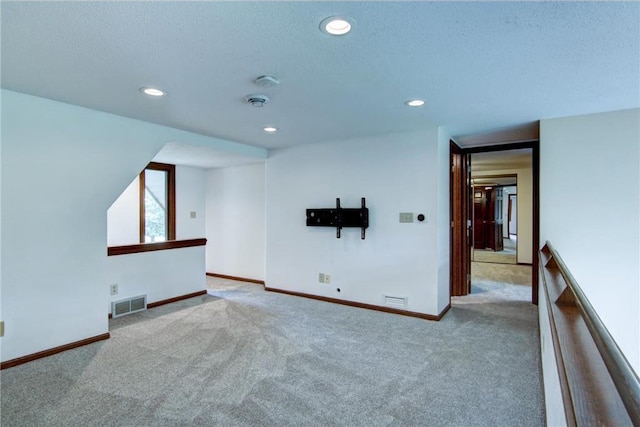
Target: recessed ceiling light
(336, 25)
(270, 129)
(151, 91)
(414, 103)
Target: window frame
(171, 198)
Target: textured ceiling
(496, 168)
(490, 68)
(500, 160)
(201, 157)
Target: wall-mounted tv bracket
(339, 217)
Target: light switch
(192, 214)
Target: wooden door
(481, 217)
(497, 243)
(460, 238)
(487, 218)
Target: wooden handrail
(622, 374)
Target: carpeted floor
(245, 357)
(503, 273)
(506, 256)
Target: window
(157, 203)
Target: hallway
(492, 282)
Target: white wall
(1, 186)
(123, 216)
(159, 274)
(505, 209)
(62, 167)
(443, 218)
(236, 220)
(396, 173)
(590, 210)
(190, 197)
(525, 210)
(553, 403)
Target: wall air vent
(395, 301)
(128, 306)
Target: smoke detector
(257, 100)
(267, 81)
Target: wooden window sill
(157, 246)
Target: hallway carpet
(245, 357)
(506, 256)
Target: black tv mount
(340, 217)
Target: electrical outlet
(114, 289)
(321, 277)
(192, 214)
(327, 278)
(406, 216)
(1, 328)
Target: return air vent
(128, 306)
(396, 302)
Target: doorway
(494, 210)
(493, 216)
(492, 241)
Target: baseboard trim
(170, 300)
(176, 299)
(241, 279)
(45, 353)
(363, 305)
(444, 311)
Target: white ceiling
(201, 157)
(500, 160)
(486, 70)
(493, 181)
(496, 168)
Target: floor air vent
(397, 302)
(128, 306)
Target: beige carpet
(506, 256)
(245, 357)
(495, 283)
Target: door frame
(459, 216)
(460, 213)
(510, 212)
(489, 177)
